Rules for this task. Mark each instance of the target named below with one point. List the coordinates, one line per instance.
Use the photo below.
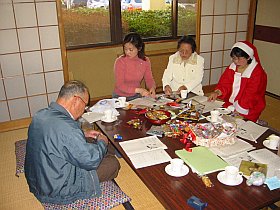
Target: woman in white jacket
(185, 69)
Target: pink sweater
(129, 74)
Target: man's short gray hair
(71, 88)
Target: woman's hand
(214, 95)
(153, 92)
(167, 90)
(183, 87)
(142, 91)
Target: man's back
(60, 166)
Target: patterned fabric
(20, 149)
(111, 195)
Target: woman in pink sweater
(130, 69)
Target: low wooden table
(173, 192)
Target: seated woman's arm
(223, 89)
(149, 79)
(167, 77)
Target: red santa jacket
(245, 92)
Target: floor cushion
(111, 195)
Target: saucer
(223, 110)
(184, 171)
(103, 119)
(266, 144)
(221, 178)
(209, 119)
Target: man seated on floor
(60, 165)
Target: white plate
(103, 119)
(266, 144)
(209, 119)
(184, 171)
(223, 110)
(221, 178)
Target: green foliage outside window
(148, 23)
(85, 26)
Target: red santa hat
(249, 48)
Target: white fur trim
(235, 86)
(231, 108)
(245, 48)
(240, 109)
(249, 70)
(232, 66)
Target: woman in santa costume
(242, 86)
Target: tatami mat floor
(15, 194)
(130, 183)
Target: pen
(253, 138)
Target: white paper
(209, 106)
(267, 157)
(92, 116)
(142, 145)
(150, 102)
(235, 160)
(145, 151)
(238, 147)
(250, 131)
(149, 158)
(199, 99)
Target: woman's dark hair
(187, 40)
(136, 40)
(237, 52)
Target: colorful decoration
(136, 123)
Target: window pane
(86, 22)
(149, 20)
(187, 12)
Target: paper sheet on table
(235, 160)
(273, 183)
(92, 116)
(149, 102)
(209, 106)
(149, 158)
(145, 151)
(250, 131)
(142, 145)
(267, 157)
(228, 150)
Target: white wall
(268, 15)
(30, 57)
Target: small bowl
(158, 121)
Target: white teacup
(121, 101)
(215, 114)
(273, 141)
(108, 114)
(273, 137)
(176, 165)
(231, 173)
(184, 93)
